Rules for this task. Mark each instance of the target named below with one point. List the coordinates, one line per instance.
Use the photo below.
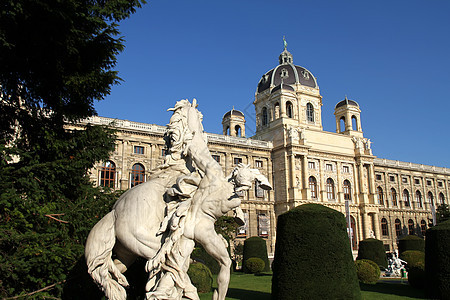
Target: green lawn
(251, 287)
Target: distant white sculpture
(395, 266)
(161, 219)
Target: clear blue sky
(392, 57)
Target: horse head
(186, 121)
(243, 177)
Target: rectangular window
(440, 184)
(237, 160)
(242, 230)
(392, 178)
(329, 167)
(258, 163)
(138, 150)
(263, 225)
(346, 169)
(417, 181)
(216, 158)
(378, 176)
(429, 182)
(259, 192)
(404, 179)
(311, 165)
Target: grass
(251, 287)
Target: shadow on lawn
(399, 289)
(247, 295)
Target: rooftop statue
(161, 219)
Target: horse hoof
(215, 295)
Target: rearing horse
(159, 220)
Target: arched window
(265, 118)
(430, 198)
(309, 112)
(347, 190)
(380, 195)
(394, 197)
(137, 175)
(406, 199)
(411, 230)
(237, 130)
(227, 132)
(419, 199)
(384, 227)
(330, 189)
(108, 174)
(276, 110)
(398, 227)
(342, 124)
(423, 227)
(313, 187)
(355, 123)
(289, 110)
(441, 198)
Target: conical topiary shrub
(313, 258)
(411, 242)
(372, 249)
(255, 247)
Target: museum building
(385, 199)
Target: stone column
(376, 226)
(366, 223)
(348, 121)
(305, 190)
(282, 108)
(363, 192)
(357, 179)
(371, 178)
(321, 186)
(292, 170)
(338, 185)
(228, 163)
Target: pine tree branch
(38, 291)
(51, 216)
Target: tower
(348, 118)
(233, 123)
(287, 96)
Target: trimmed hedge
(255, 247)
(201, 277)
(413, 258)
(437, 261)
(373, 249)
(411, 242)
(313, 258)
(417, 276)
(254, 265)
(368, 271)
(199, 254)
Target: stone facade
(386, 199)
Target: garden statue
(395, 266)
(161, 219)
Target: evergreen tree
(56, 59)
(442, 213)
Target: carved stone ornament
(160, 220)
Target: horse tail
(101, 267)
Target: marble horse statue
(161, 219)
